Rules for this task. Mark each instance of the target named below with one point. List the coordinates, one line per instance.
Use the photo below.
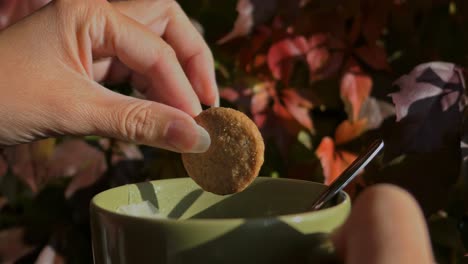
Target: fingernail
(203, 142)
(215, 85)
(187, 137)
(216, 104)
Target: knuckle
(137, 122)
(174, 8)
(82, 11)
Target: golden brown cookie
(235, 155)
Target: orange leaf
(348, 130)
(355, 89)
(333, 162)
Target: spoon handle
(348, 174)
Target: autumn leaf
(314, 51)
(355, 88)
(443, 80)
(252, 13)
(348, 130)
(333, 161)
(285, 119)
(244, 22)
(229, 94)
(372, 115)
(13, 245)
(299, 107)
(375, 111)
(259, 104)
(428, 109)
(374, 56)
(317, 58)
(78, 160)
(375, 17)
(317, 40)
(280, 55)
(318, 54)
(29, 162)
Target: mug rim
(344, 204)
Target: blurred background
(317, 78)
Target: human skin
(48, 74)
(386, 225)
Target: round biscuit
(234, 157)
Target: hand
(48, 74)
(385, 226)
(13, 10)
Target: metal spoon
(348, 174)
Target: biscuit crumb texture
(235, 155)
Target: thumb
(386, 225)
(143, 122)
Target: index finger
(166, 18)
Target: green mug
(268, 222)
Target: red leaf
(375, 17)
(325, 57)
(317, 40)
(374, 56)
(30, 162)
(316, 59)
(259, 103)
(229, 94)
(355, 89)
(77, 159)
(256, 42)
(285, 118)
(12, 245)
(332, 66)
(299, 107)
(281, 53)
(333, 162)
